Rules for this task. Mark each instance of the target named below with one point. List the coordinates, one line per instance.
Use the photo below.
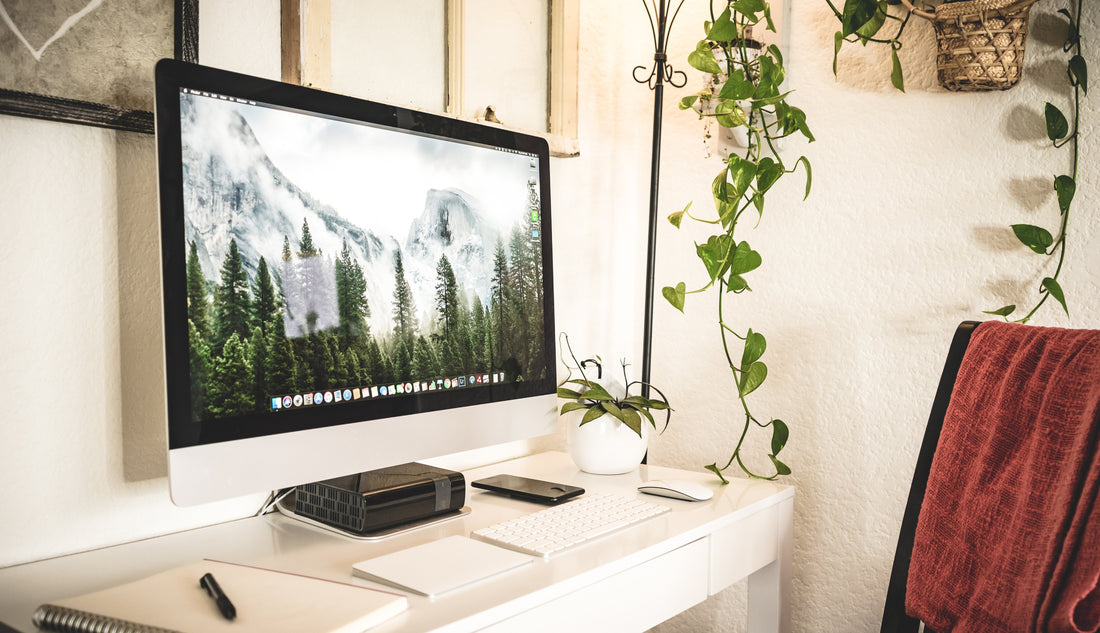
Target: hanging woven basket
(980, 42)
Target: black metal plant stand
(660, 23)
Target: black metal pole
(661, 73)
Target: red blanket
(1008, 537)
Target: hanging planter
(980, 42)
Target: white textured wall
(904, 235)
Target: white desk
(628, 581)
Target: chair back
(894, 619)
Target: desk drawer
(742, 548)
(634, 600)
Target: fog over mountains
(233, 190)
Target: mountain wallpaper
(324, 254)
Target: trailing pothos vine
(865, 21)
(749, 97)
(1059, 133)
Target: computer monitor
(347, 285)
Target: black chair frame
(894, 619)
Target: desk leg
(770, 586)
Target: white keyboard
(573, 523)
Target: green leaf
(675, 296)
(719, 188)
(780, 467)
(1079, 72)
(752, 377)
(729, 114)
(774, 51)
(737, 87)
(570, 394)
(871, 27)
(688, 101)
(648, 416)
(717, 471)
(809, 174)
(1036, 238)
(716, 254)
(613, 409)
(631, 418)
(770, 101)
(596, 392)
(780, 433)
(1072, 36)
(1051, 285)
(755, 344)
(1065, 187)
(767, 172)
(723, 29)
(737, 284)
(741, 172)
(591, 414)
(769, 77)
(572, 406)
(744, 259)
(1002, 312)
(750, 9)
(1057, 126)
(792, 119)
(856, 14)
(676, 218)
(702, 58)
(838, 40)
(771, 24)
(896, 77)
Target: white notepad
(435, 568)
(267, 601)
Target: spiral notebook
(266, 600)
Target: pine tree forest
(254, 339)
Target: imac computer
(348, 285)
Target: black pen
(208, 583)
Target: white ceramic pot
(606, 446)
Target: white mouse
(677, 489)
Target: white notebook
(266, 601)
(440, 566)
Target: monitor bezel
(401, 429)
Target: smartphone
(536, 490)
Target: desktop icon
(337, 396)
(383, 391)
(347, 394)
(297, 399)
(408, 387)
(460, 381)
(416, 387)
(319, 397)
(374, 392)
(355, 393)
(401, 388)
(287, 402)
(276, 403)
(328, 397)
(447, 383)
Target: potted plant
(746, 95)
(981, 47)
(612, 434)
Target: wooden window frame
(307, 60)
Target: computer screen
(347, 284)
